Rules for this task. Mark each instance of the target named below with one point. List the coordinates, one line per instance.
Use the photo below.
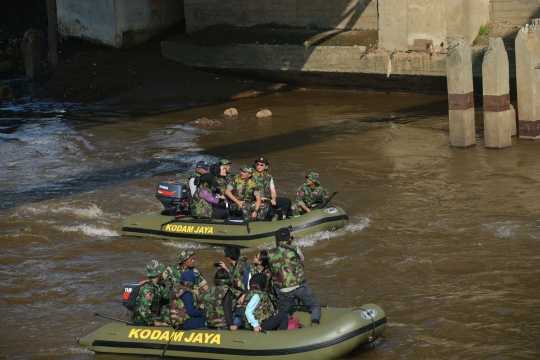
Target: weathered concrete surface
(311, 58)
(496, 90)
(460, 94)
(518, 12)
(528, 82)
(409, 24)
(318, 14)
(393, 24)
(33, 50)
(116, 22)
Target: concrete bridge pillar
(460, 94)
(528, 80)
(33, 49)
(496, 88)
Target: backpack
(131, 302)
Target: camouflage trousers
(163, 317)
(247, 209)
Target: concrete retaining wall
(412, 24)
(317, 14)
(518, 12)
(108, 21)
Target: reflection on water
(445, 240)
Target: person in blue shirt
(196, 317)
(259, 313)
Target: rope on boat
(372, 337)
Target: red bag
(294, 323)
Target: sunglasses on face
(260, 164)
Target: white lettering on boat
(368, 314)
(166, 335)
(190, 229)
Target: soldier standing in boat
(246, 196)
(288, 276)
(310, 195)
(148, 310)
(265, 182)
(186, 262)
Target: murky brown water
(447, 241)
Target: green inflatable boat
(230, 232)
(341, 330)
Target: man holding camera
(287, 268)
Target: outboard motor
(174, 197)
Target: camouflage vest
(311, 197)
(263, 312)
(147, 308)
(263, 183)
(177, 308)
(254, 269)
(175, 273)
(236, 272)
(224, 181)
(213, 305)
(200, 207)
(244, 189)
(287, 271)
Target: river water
(446, 240)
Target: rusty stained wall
(517, 12)
(316, 14)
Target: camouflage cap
(247, 168)
(225, 162)
(184, 255)
(154, 268)
(313, 177)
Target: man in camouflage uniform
(265, 183)
(148, 310)
(186, 262)
(310, 195)
(286, 265)
(246, 197)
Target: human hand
(253, 214)
(233, 327)
(273, 202)
(257, 329)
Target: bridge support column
(460, 94)
(496, 88)
(528, 80)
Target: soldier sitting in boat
(265, 183)
(147, 309)
(186, 262)
(259, 313)
(206, 205)
(288, 276)
(222, 172)
(246, 197)
(239, 276)
(201, 168)
(217, 302)
(184, 313)
(261, 266)
(310, 195)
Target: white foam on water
(506, 229)
(185, 245)
(89, 230)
